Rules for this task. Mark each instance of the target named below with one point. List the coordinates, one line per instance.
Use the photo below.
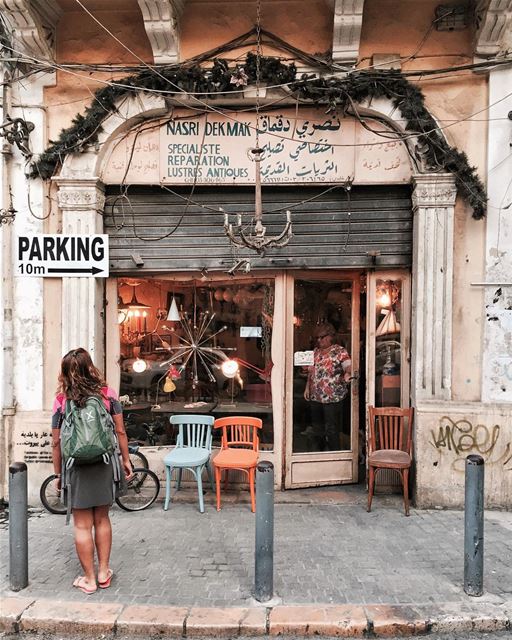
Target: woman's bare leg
(83, 521)
(103, 540)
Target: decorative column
(82, 203)
(433, 207)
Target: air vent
(452, 17)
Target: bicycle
(137, 459)
(141, 491)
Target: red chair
(389, 446)
(239, 450)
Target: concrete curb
(25, 615)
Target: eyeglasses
(324, 335)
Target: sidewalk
(338, 570)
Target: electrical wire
(209, 107)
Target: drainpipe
(8, 401)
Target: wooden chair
(239, 450)
(192, 452)
(389, 446)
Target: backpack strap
(104, 393)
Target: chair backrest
(390, 428)
(194, 430)
(239, 432)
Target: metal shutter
(328, 231)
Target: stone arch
(81, 199)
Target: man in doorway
(327, 386)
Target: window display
(388, 343)
(194, 347)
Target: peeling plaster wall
(497, 345)
(305, 25)
(82, 39)
(445, 434)
(28, 299)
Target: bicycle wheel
(141, 492)
(50, 497)
(138, 460)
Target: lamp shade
(135, 304)
(173, 314)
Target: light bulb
(229, 368)
(384, 300)
(139, 365)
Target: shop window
(194, 348)
(388, 346)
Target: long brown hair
(79, 378)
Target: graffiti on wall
(456, 439)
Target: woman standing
(91, 485)
(327, 386)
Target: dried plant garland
(339, 94)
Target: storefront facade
(379, 251)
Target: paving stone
(390, 620)
(333, 553)
(56, 617)
(149, 620)
(223, 622)
(11, 610)
(346, 621)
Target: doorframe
(288, 456)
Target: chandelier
(255, 238)
(254, 235)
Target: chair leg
(168, 472)
(217, 485)
(405, 481)
(199, 478)
(178, 480)
(210, 474)
(226, 479)
(251, 487)
(371, 485)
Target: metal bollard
(18, 526)
(474, 526)
(264, 552)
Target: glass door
(322, 389)
(388, 345)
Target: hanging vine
(340, 95)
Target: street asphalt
(338, 570)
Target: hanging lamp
(134, 304)
(256, 238)
(173, 315)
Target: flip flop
(78, 585)
(106, 583)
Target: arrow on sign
(92, 270)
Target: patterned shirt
(326, 382)
(110, 400)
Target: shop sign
(58, 256)
(309, 147)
